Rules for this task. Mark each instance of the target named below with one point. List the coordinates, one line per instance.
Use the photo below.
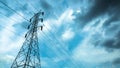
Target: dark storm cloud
(111, 26)
(117, 61)
(99, 8)
(115, 17)
(111, 43)
(112, 29)
(108, 43)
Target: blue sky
(77, 33)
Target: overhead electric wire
(50, 45)
(64, 51)
(16, 34)
(22, 5)
(55, 38)
(17, 13)
(7, 16)
(8, 28)
(14, 10)
(46, 39)
(59, 43)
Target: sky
(76, 33)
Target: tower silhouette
(29, 54)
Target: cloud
(109, 37)
(98, 44)
(5, 60)
(8, 58)
(90, 54)
(110, 27)
(8, 33)
(113, 18)
(100, 8)
(68, 34)
(66, 17)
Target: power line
(66, 52)
(22, 16)
(8, 28)
(29, 55)
(56, 39)
(61, 43)
(13, 19)
(43, 38)
(12, 31)
(51, 44)
(14, 11)
(21, 5)
(7, 16)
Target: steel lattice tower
(29, 55)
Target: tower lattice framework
(29, 54)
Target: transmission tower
(29, 55)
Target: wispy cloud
(68, 34)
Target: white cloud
(91, 54)
(68, 34)
(90, 28)
(8, 34)
(7, 58)
(66, 17)
(53, 25)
